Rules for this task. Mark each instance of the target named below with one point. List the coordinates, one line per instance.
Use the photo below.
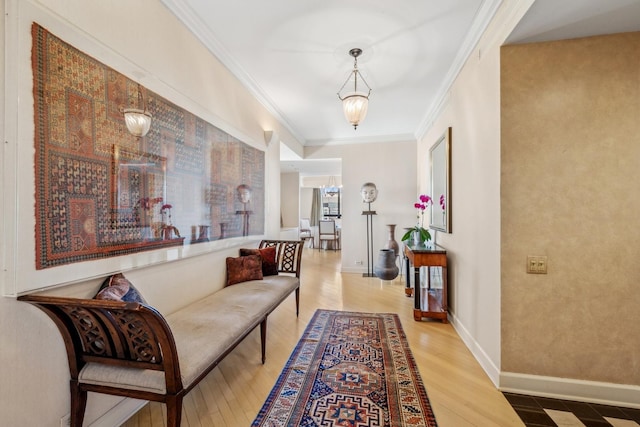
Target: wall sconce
(138, 121)
(355, 103)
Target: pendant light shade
(355, 108)
(138, 121)
(355, 103)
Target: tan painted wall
(290, 199)
(570, 182)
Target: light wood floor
(460, 392)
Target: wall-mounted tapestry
(102, 192)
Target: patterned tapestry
(101, 191)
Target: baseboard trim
(120, 413)
(476, 349)
(570, 389)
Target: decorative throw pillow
(118, 288)
(268, 255)
(243, 269)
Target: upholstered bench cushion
(203, 331)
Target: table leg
(407, 290)
(417, 306)
(445, 286)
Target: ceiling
(293, 55)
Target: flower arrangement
(423, 203)
(147, 203)
(143, 210)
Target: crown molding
(483, 17)
(361, 140)
(194, 24)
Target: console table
(434, 303)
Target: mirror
(440, 155)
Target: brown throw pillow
(269, 264)
(118, 288)
(243, 269)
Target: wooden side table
(434, 303)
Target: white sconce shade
(355, 108)
(138, 121)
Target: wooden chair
(305, 232)
(327, 232)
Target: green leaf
(425, 234)
(406, 235)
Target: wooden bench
(129, 349)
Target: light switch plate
(536, 264)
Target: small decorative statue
(167, 229)
(244, 193)
(244, 196)
(369, 192)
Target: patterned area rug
(349, 370)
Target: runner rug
(349, 370)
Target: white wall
(392, 168)
(175, 65)
(472, 109)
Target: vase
(386, 268)
(203, 233)
(416, 236)
(167, 233)
(391, 243)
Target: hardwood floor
(460, 392)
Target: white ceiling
(293, 54)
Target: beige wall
(290, 200)
(559, 180)
(570, 178)
(33, 366)
(174, 64)
(471, 108)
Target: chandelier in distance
(356, 103)
(331, 189)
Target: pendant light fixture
(355, 103)
(138, 121)
(331, 189)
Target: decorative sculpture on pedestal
(369, 194)
(244, 196)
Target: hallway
(459, 390)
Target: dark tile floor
(531, 411)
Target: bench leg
(174, 410)
(78, 404)
(263, 338)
